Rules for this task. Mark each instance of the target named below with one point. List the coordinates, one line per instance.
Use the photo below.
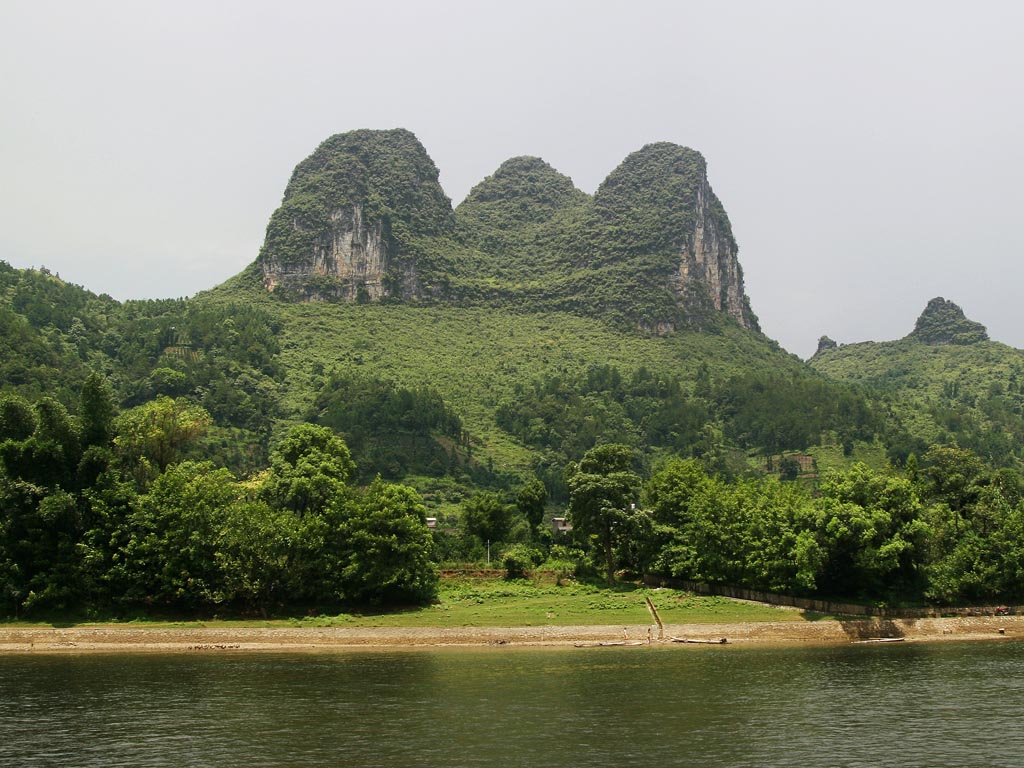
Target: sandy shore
(114, 638)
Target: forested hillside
(278, 442)
(947, 382)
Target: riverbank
(126, 638)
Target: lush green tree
(309, 470)
(96, 411)
(171, 537)
(386, 547)
(640, 544)
(602, 492)
(698, 518)
(109, 503)
(486, 516)
(39, 563)
(39, 514)
(977, 552)
(953, 476)
(780, 552)
(309, 477)
(17, 418)
(871, 529)
(963, 565)
(254, 551)
(519, 558)
(50, 456)
(151, 437)
(757, 533)
(391, 430)
(530, 501)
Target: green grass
(481, 602)
(528, 603)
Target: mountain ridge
(365, 219)
(945, 379)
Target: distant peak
(944, 322)
(524, 163)
(527, 178)
(825, 343)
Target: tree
(872, 533)
(54, 449)
(953, 476)
(253, 553)
(386, 547)
(152, 436)
(309, 470)
(602, 491)
(96, 411)
(17, 419)
(170, 548)
(752, 533)
(978, 553)
(518, 559)
(39, 530)
(487, 516)
(530, 501)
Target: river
(910, 704)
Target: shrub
(518, 559)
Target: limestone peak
(944, 322)
(351, 215)
(528, 187)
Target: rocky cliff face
(709, 263)
(349, 264)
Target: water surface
(943, 704)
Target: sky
(870, 154)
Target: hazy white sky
(870, 154)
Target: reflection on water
(947, 704)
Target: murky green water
(908, 705)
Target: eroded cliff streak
(709, 264)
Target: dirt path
(136, 639)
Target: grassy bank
(481, 602)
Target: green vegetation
(603, 491)
(968, 395)
(534, 354)
(524, 603)
(122, 524)
(532, 602)
(770, 412)
(224, 357)
(151, 484)
(393, 431)
(479, 359)
(388, 178)
(516, 218)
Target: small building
(432, 523)
(561, 525)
